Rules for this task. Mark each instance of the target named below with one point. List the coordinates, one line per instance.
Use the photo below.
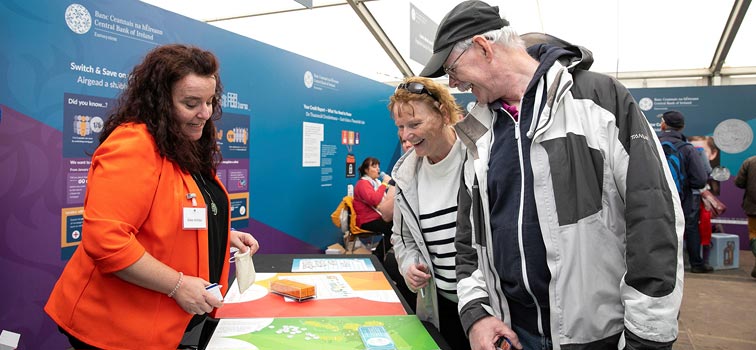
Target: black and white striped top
(437, 193)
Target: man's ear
(484, 44)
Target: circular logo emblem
(646, 104)
(242, 210)
(308, 79)
(78, 19)
(96, 124)
(720, 173)
(733, 136)
(75, 234)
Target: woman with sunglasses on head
(425, 209)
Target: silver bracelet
(178, 284)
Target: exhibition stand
(354, 295)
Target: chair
(345, 219)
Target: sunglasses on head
(415, 88)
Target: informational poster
(312, 137)
(234, 142)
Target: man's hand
(485, 332)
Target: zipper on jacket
(517, 134)
(519, 225)
(477, 202)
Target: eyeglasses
(451, 71)
(415, 88)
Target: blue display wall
(291, 129)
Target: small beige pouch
(245, 270)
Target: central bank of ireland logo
(78, 19)
(308, 79)
(646, 104)
(470, 106)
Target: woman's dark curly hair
(148, 99)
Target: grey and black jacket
(607, 208)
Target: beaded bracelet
(178, 284)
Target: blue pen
(211, 286)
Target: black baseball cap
(464, 21)
(674, 119)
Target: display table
(282, 263)
(338, 294)
(241, 321)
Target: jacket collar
(474, 126)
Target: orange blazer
(134, 204)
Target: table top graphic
(337, 294)
(332, 333)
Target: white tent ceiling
(631, 39)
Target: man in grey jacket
(569, 229)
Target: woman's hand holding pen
(417, 275)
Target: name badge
(195, 218)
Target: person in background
(569, 231)
(704, 216)
(746, 179)
(406, 144)
(369, 193)
(710, 147)
(672, 125)
(426, 201)
(389, 261)
(156, 218)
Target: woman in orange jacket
(156, 217)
